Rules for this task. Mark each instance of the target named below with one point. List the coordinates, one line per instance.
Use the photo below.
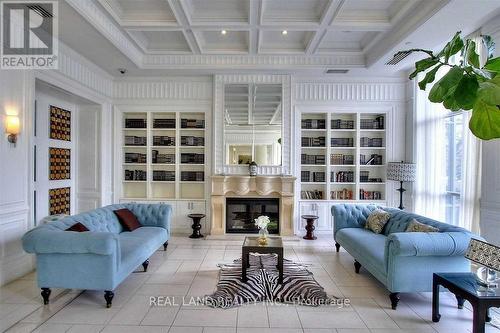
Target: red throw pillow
(127, 219)
(78, 227)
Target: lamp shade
(401, 172)
(484, 254)
(12, 125)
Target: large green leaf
(445, 85)
(452, 47)
(493, 65)
(429, 77)
(422, 65)
(489, 92)
(472, 56)
(465, 93)
(485, 121)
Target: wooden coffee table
(251, 244)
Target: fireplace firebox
(242, 212)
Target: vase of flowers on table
(262, 222)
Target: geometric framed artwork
(60, 124)
(484, 254)
(59, 201)
(59, 163)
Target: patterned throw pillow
(377, 220)
(415, 226)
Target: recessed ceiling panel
(293, 11)
(216, 12)
(372, 10)
(142, 12)
(161, 41)
(274, 41)
(216, 42)
(339, 40)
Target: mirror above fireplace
(252, 124)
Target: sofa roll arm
(55, 241)
(420, 244)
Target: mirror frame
(219, 167)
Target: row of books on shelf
(158, 158)
(342, 142)
(131, 140)
(164, 123)
(192, 123)
(373, 159)
(137, 175)
(364, 177)
(343, 194)
(312, 159)
(313, 123)
(342, 124)
(375, 123)
(309, 195)
(192, 158)
(135, 158)
(371, 142)
(313, 142)
(370, 195)
(341, 159)
(163, 140)
(163, 176)
(342, 176)
(195, 176)
(317, 176)
(192, 141)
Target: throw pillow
(415, 226)
(127, 219)
(377, 220)
(78, 227)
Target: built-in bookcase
(163, 155)
(343, 156)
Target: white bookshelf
(349, 142)
(162, 188)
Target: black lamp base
(401, 190)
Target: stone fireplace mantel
(232, 186)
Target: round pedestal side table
(310, 226)
(196, 225)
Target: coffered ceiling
(256, 26)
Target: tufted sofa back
(351, 216)
(400, 219)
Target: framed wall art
(59, 163)
(60, 201)
(60, 124)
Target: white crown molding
(350, 91)
(172, 88)
(98, 18)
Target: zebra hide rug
(299, 286)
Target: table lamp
(401, 172)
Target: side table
(310, 226)
(196, 225)
(465, 287)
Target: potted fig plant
(472, 84)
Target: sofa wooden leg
(337, 246)
(45, 295)
(357, 266)
(108, 296)
(394, 300)
(145, 265)
(460, 302)
(165, 246)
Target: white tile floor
(189, 268)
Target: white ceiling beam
(331, 10)
(182, 18)
(254, 13)
(275, 114)
(228, 118)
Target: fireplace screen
(241, 213)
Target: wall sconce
(12, 128)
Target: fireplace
(241, 213)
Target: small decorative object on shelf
(488, 256)
(262, 222)
(401, 172)
(252, 168)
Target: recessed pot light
(223, 32)
(284, 32)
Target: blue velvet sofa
(101, 258)
(402, 261)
